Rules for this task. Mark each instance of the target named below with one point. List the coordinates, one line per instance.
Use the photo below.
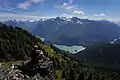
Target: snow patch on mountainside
(113, 41)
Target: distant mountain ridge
(73, 31)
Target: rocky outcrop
(3, 72)
(27, 71)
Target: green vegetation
(104, 57)
(16, 44)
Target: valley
(74, 31)
(59, 40)
(76, 39)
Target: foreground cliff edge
(15, 50)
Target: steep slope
(90, 32)
(48, 27)
(65, 67)
(15, 43)
(102, 56)
(73, 31)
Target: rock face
(19, 75)
(28, 71)
(14, 75)
(3, 72)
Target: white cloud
(17, 16)
(85, 16)
(68, 5)
(64, 4)
(63, 15)
(99, 15)
(11, 16)
(9, 7)
(115, 20)
(96, 14)
(102, 15)
(24, 5)
(37, 1)
(66, 15)
(27, 4)
(78, 12)
(10, 10)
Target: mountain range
(16, 45)
(71, 31)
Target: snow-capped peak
(112, 42)
(63, 20)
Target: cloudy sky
(36, 9)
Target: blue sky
(36, 9)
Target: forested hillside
(105, 56)
(16, 44)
